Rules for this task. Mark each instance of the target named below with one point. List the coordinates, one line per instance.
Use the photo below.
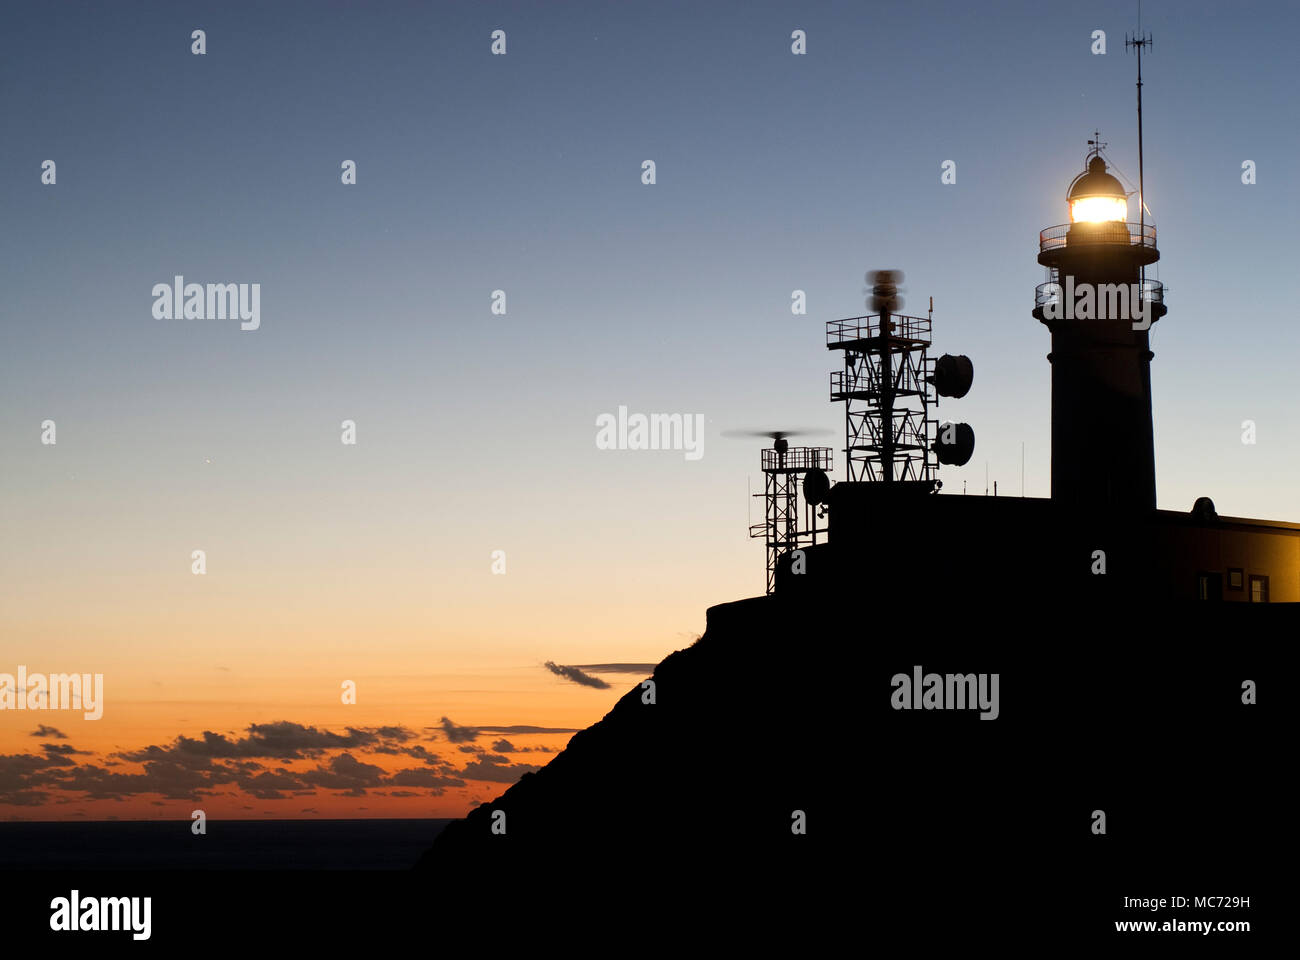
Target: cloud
(400, 734)
(217, 764)
(576, 675)
(496, 769)
(25, 798)
(345, 772)
(172, 780)
(457, 734)
(505, 746)
(43, 731)
(520, 729)
(471, 733)
(52, 749)
(581, 673)
(639, 668)
(424, 778)
(282, 740)
(21, 774)
(269, 785)
(419, 752)
(59, 754)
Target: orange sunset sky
(704, 294)
(447, 698)
(302, 592)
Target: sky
(373, 562)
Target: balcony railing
(797, 458)
(1152, 291)
(868, 328)
(1059, 236)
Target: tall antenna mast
(1140, 42)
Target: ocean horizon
(115, 845)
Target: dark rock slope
(915, 815)
(702, 784)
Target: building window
(1209, 586)
(1258, 589)
(1235, 579)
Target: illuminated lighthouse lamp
(1097, 197)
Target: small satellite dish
(953, 375)
(955, 444)
(816, 486)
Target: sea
(128, 845)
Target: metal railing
(908, 381)
(797, 458)
(1151, 291)
(1059, 236)
(868, 328)
(843, 383)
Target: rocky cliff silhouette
(785, 704)
(706, 779)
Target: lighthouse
(1099, 308)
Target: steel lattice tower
(787, 528)
(886, 390)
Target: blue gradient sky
(476, 432)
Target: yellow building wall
(1182, 552)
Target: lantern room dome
(1096, 182)
(1096, 196)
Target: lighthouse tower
(1099, 308)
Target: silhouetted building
(772, 758)
(1100, 534)
(1103, 452)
